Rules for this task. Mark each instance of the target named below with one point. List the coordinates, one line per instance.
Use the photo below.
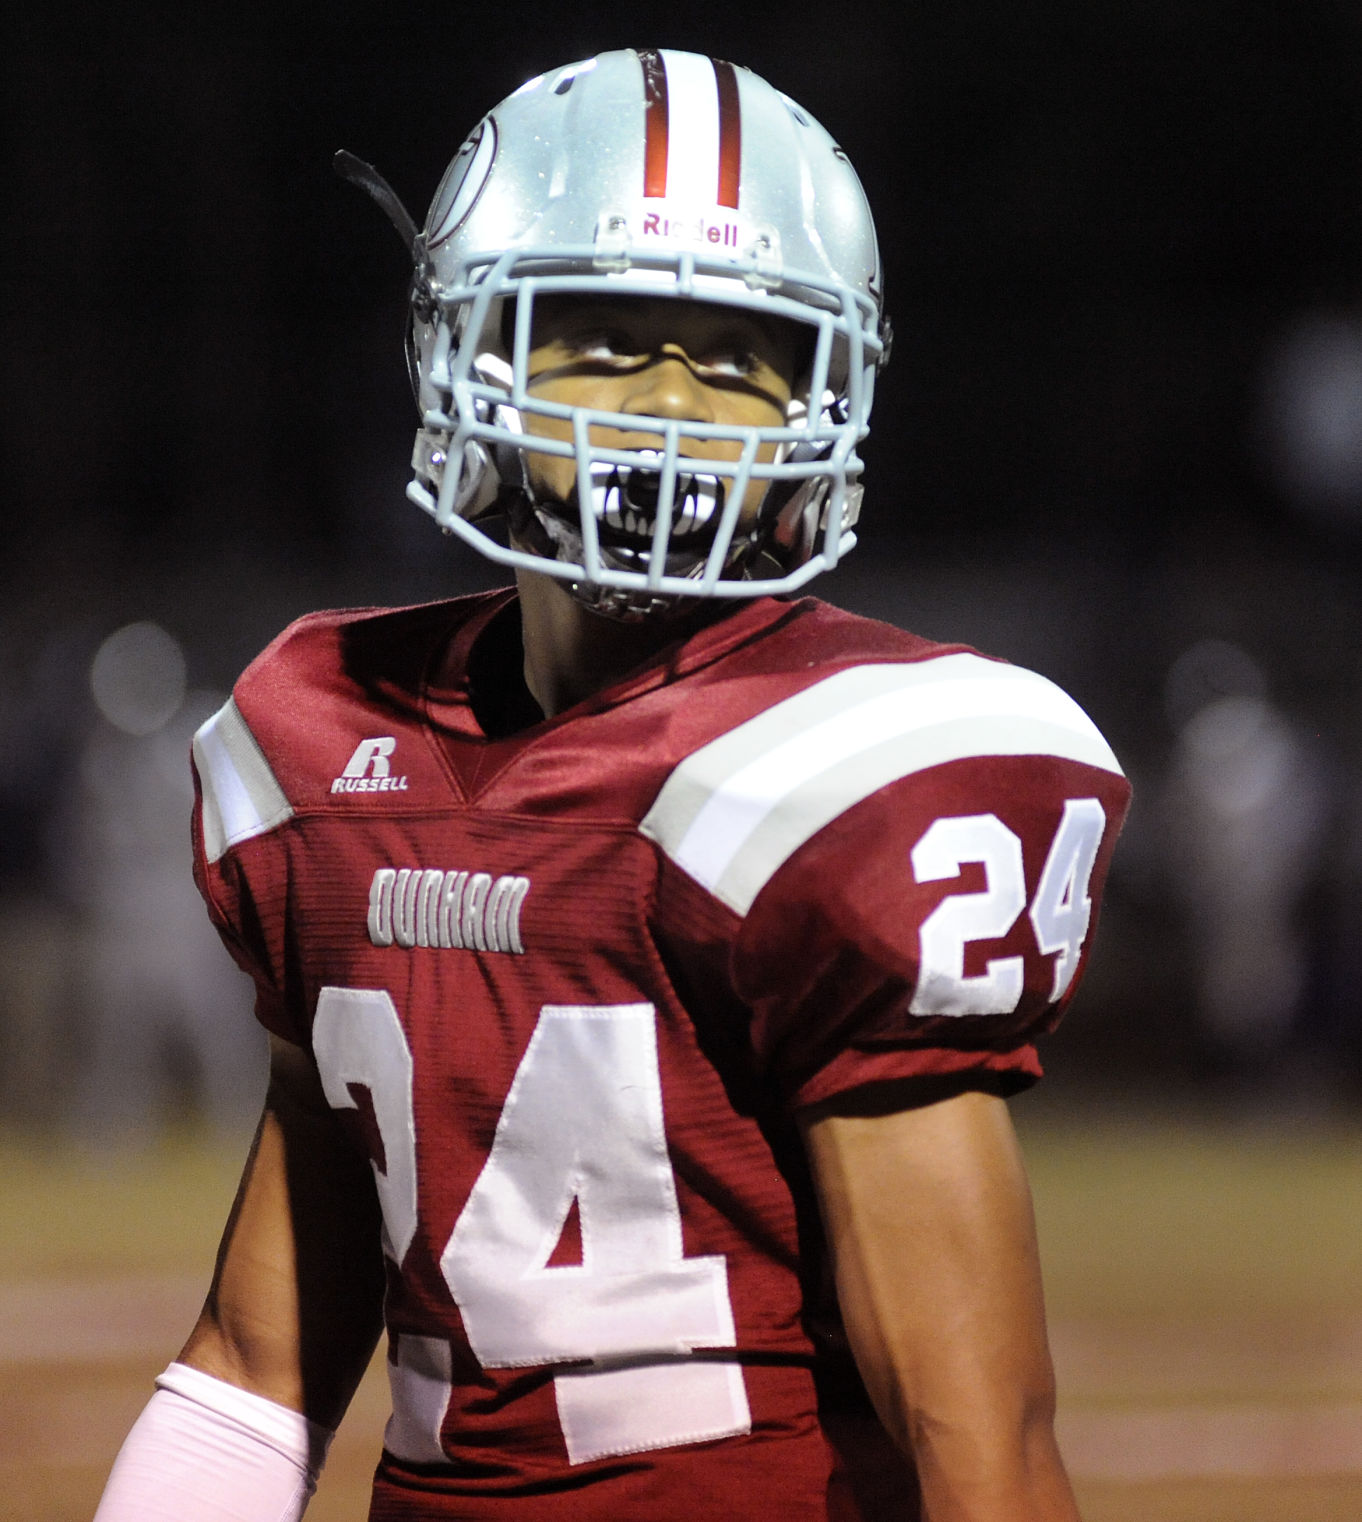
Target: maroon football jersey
(568, 988)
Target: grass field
(1204, 1279)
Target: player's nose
(669, 387)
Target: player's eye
(734, 361)
(602, 345)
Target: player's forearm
(983, 1447)
(296, 1302)
(974, 1471)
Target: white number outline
(1060, 911)
(357, 1039)
(942, 986)
(583, 1121)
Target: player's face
(657, 357)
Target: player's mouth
(625, 500)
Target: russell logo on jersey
(369, 770)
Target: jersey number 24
(582, 1122)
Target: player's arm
(929, 1220)
(239, 1424)
(296, 1301)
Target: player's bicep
(295, 1305)
(929, 1220)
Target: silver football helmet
(659, 174)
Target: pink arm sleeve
(204, 1450)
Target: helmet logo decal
(692, 129)
(463, 182)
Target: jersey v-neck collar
(475, 758)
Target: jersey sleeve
(915, 854)
(238, 805)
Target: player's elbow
(1005, 1420)
(990, 1456)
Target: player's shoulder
(832, 684)
(332, 704)
(350, 652)
(861, 708)
(811, 637)
(765, 656)
(860, 674)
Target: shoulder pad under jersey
(735, 810)
(241, 796)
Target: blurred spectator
(1312, 416)
(1244, 815)
(166, 1016)
(37, 715)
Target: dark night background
(1123, 248)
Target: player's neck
(571, 653)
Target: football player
(648, 952)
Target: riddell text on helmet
(696, 229)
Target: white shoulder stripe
(241, 797)
(736, 809)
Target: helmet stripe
(656, 121)
(693, 109)
(730, 133)
(691, 105)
